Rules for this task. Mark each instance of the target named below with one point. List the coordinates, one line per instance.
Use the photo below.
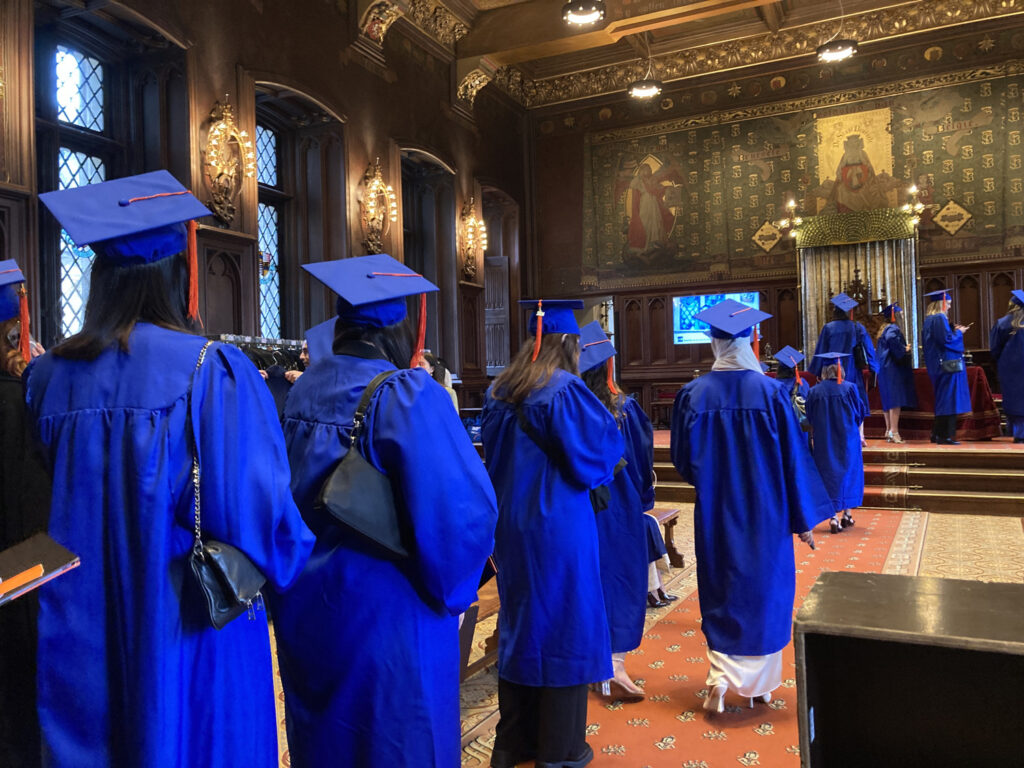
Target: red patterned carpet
(670, 728)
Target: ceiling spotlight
(836, 50)
(583, 12)
(645, 89)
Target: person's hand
(807, 537)
(962, 328)
(263, 374)
(292, 376)
(908, 348)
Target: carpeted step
(675, 492)
(944, 479)
(969, 503)
(963, 457)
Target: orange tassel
(611, 377)
(421, 332)
(25, 342)
(757, 344)
(839, 371)
(193, 274)
(540, 329)
(796, 373)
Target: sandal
(847, 521)
(833, 525)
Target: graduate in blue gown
(131, 672)
(368, 641)
(621, 528)
(789, 360)
(843, 334)
(736, 438)
(943, 344)
(835, 411)
(1006, 343)
(548, 441)
(895, 373)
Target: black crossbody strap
(364, 403)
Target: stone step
(944, 479)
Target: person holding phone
(944, 358)
(1006, 343)
(895, 373)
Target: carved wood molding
(873, 26)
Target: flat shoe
(654, 602)
(667, 597)
(579, 762)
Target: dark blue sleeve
(869, 348)
(816, 364)
(440, 484)
(639, 437)
(245, 487)
(586, 435)
(997, 339)
(680, 443)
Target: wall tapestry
(697, 199)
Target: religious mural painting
(700, 198)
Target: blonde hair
(11, 360)
(1016, 315)
(935, 308)
(830, 372)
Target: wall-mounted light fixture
(583, 12)
(229, 159)
(474, 239)
(378, 206)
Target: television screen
(687, 330)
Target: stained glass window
(79, 89)
(270, 281)
(75, 169)
(266, 156)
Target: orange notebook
(32, 563)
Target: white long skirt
(749, 676)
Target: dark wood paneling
(227, 300)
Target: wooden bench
(667, 517)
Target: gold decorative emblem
(767, 237)
(228, 159)
(952, 217)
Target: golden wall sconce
(229, 159)
(474, 239)
(378, 208)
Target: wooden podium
(909, 671)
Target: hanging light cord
(840, 28)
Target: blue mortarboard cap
(558, 315)
(371, 289)
(831, 355)
(844, 302)
(789, 357)
(729, 319)
(133, 219)
(939, 295)
(320, 340)
(1018, 296)
(888, 311)
(595, 346)
(764, 367)
(10, 278)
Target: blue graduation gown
(1007, 350)
(552, 625)
(369, 645)
(836, 411)
(843, 336)
(130, 671)
(788, 381)
(895, 373)
(941, 342)
(736, 438)
(621, 532)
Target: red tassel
(757, 344)
(796, 373)
(540, 329)
(839, 371)
(611, 377)
(193, 274)
(892, 315)
(25, 342)
(421, 333)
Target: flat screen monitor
(687, 330)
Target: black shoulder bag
(360, 497)
(227, 577)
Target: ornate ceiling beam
(774, 15)
(533, 30)
(792, 42)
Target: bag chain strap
(197, 545)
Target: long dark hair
(840, 314)
(121, 295)
(523, 375)
(596, 380)
(395, 342)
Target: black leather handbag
(360, 497)
(229, 581)
(956, 365)
(860, 356)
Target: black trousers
(548, 725)
(944, 427)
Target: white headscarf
(734, 355)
